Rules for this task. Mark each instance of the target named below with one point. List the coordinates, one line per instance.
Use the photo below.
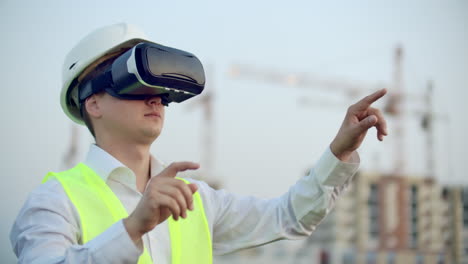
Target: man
(122, 205)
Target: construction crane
(279, 77)
(206, 102)
(429, 116)
(395, 107)
(351, 89)
(71, 154)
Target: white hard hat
(98, 43)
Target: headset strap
(95, 85)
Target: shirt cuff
(114, 246)
(333, 172)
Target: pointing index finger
(370, 99)
(172, 170)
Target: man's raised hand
(359, 118)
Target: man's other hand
(164, 196)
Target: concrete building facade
(382, 219)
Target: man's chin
(150, 135)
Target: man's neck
(135, 157)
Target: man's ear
(92, 106)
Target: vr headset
(148, 70)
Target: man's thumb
(368, 122)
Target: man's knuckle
(175, 204)
(180, 184)
(182, 200)
(179, 195)
(187, 190)
(182, 205)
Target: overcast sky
(263, 139)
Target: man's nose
(156, 100)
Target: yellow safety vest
(99, 208)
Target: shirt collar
(106, 166)
(156, 166)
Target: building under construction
(389, 219)
(383, 219)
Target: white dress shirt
(47, 229)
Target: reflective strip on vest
(99, 208)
